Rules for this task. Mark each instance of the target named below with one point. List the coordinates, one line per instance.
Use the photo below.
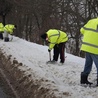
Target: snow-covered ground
(65, 78)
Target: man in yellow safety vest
(57, 40)
(8, 29)
(1, 30)
(90, 46)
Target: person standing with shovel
(57, 40)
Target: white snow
(65, 78)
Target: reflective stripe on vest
(90, 29)
(85, 43)
(55, 35)
(65, 37)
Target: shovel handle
(50, 55)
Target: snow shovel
(11, 38)
(49, 58)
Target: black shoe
(53, 62)
(6, 39)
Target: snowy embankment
(25, 64)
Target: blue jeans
(89, 61)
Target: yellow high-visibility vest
(90, 36)
(9, 28)
(56, 37)
(1, 27)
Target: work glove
(49, 50)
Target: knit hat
(43, 36)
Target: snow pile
(64, 80)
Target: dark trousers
(59, 49)
(1, 36)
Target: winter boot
(84, 79)
(97, 81)
(51, 62)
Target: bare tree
(34, 17)
(5, 8)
